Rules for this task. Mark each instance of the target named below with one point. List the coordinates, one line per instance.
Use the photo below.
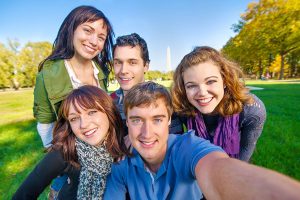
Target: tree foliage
(18, 67)
(6, 66)
(29, 58)
(158, 75)
(267, 28)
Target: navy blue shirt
(175, 179)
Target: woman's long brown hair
(88, 97)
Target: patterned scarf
(95, 166)
(226, 134)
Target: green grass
(16, 106)
(21, 146)
(278, 148)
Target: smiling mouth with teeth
(148, 144)
(126, 79)
(204, 101)
(90, 132)
(90, 49)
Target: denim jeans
(58, 183)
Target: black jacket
(49, 168)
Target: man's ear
(169, 123)
(146, 67)
(126, 122)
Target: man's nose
(124, 68)
(146, 129)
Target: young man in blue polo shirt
(169, 166)
(131, 62)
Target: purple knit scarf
(226, 134)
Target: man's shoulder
(125, 163)
(175, 138)
(188, 142)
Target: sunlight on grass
(25, 161)
(16, 106)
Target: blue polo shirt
(175, 179)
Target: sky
(178, 24)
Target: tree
(29, 58)
(275, 67)
(153, 75)
(12, 56)
(293, 60)
(269, 27)
(6, 66)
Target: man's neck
(153, 167)
(124, 92)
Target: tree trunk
(281, 76)
(260, 68)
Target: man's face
(129, 66)
(148, 130)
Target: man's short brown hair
(144, 94)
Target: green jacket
(53, 84)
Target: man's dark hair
(133, 40)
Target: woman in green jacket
(81, 56)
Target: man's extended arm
(221, 177)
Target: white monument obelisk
(169, 68)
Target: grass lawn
(278, 148)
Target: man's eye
(116, 62)
(133, 62)
(157, 121)
(136, 121)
